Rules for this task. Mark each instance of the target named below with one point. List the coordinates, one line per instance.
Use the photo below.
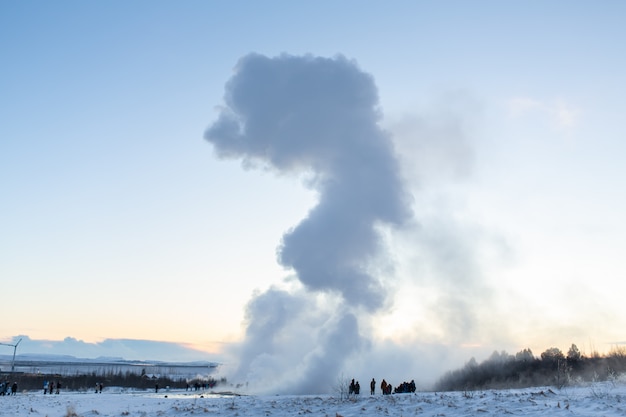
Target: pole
(13, 362)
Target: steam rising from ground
(316, 116)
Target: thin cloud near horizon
(127, 349)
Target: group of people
(385, 387)
(355, 387)
(198, 386)
(405, 387)
(8, 389)
(49, 387)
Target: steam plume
(317, 116)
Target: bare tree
(342, 388)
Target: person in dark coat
(372, 386)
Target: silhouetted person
(372, 386)
(14, 388)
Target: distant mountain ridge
(67, 365)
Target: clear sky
(118, 219)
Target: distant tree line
(502, 370)
(86, 382)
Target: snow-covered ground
(600, 399)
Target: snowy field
(605, 399)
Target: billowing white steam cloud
(318, 116)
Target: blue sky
(119, 221)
